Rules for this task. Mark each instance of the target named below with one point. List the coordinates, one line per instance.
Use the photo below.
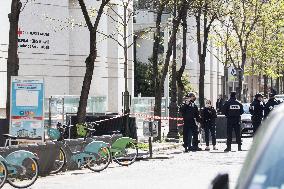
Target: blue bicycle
(19, 168)
(3, 171)
(94, 155)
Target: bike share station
(27, 130)
(27, 122)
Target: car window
(269, 173)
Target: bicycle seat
(115, 132)
(68, 126)
(8, 136)
(90, 130)
(95, 124)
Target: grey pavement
(193, 170)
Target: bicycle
(3, 171)
(21, 166)
(94, 155)
(124, 150)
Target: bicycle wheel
(100, 160)
(24, 175)
(3, 173)
(127, 156)
(59, 163)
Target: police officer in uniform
(256, 110)
(190, 115)
(233, 110)
(270, 105)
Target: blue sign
(27, 111)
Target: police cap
(189, 95)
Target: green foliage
(144, 83)
(143, 146)
(143, 79)
(266, 46)
(186, 83)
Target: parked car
(264, 165)
(246, 123)
(279, 97)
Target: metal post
(63, 111)
(49, 111)
(150, 139)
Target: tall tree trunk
(265, 85)
(202, 46)
(182, 68)
(158, 107)
(13, 59)
(173, 133)
(259, 82)
(201, 82)
(161, 77)
(90, 61)
(240, 87)
(201, 60)
(282, 82)
(156, 75)
(225, 81)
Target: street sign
(234, 72)
(150, 128)
(27, 108)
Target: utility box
(150, 128)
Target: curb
(144, 156)
(172, 146)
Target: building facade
(54, 43)
(214, 68)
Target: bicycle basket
(81, 130)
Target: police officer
(271, 104)
(233, 110)
(256, 110)
(208, 116)
(190, 115)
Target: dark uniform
(190, 115)
(269, 106)
(233, 110)
(208, 115)
(219, 105)
(256, 110)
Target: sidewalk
(157, 147)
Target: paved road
(193, 170)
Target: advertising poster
(27, 111)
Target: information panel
(27, 111)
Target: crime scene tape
(156, 117)
(140, 115)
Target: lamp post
(126, 96)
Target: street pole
(126, 109)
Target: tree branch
(86, 15)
